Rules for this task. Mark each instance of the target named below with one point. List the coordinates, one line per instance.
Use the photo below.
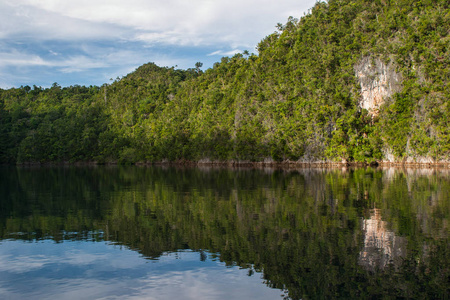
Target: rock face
(378, 82)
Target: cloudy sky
(90, 41)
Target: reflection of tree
(301, 229)
(381, 246)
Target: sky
(88, 42)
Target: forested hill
(357, 81)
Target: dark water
(173, 233)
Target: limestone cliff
(379, 81)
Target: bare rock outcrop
(378, 81)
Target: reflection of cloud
(381, 246)
(81, 258)
(75, 288)
(178, 285)
(204, 283)
(21, 264)
(84, 270)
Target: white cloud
(70, 64)
(23, 22)
(206, 22)
(99, 39)
(16, 58)
(225, 53)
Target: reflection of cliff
(381, 246)
(298, 228)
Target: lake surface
(216, 233)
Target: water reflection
(381, 246)
(310, 233)
(74, 270)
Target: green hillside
(357, 81)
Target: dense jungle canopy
(297, 99)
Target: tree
(198, 65)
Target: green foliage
(297, 99)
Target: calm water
(174, 233)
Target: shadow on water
(313, 233)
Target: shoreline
(249, 164)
